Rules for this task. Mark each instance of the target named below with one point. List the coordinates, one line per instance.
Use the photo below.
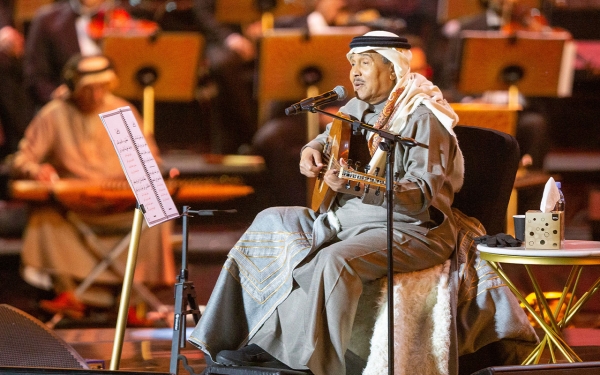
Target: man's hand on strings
(311, 162)
(338, 184)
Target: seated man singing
(289, 291)
(290, 286)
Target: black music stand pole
(185, 295)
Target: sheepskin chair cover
(422, 316)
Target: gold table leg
(552, 330)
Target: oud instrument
(337, 147)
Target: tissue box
(544, 230)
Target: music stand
(536, 63)
(160, 67)
(292, 62)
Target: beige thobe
(78, 146)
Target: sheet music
(139, 166)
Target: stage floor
(149, 349)
(144, 349)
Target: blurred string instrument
(115, 20)
(518, 16)
(246, 12)
(118, 21)
(111, 19)
(102, 196)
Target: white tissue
(550, 197)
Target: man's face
(91, 97)
(370, 77)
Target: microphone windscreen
(340, 91)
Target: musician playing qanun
(67, 140)
(288, 293)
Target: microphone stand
(388, 145)
(185, 295)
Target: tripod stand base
(248, 370)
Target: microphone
(308, 104)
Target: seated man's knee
(334, 256)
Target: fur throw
(422, 318)
(427, 326)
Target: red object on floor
(65, 303)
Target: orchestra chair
(498, 117)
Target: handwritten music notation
(139, 165)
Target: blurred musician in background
(57, 32)
(15, 107)
(67, 140)
(506, 16)
(65, 28)
(327, 16)
(231, 57)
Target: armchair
(491, 163)
(447, 316)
